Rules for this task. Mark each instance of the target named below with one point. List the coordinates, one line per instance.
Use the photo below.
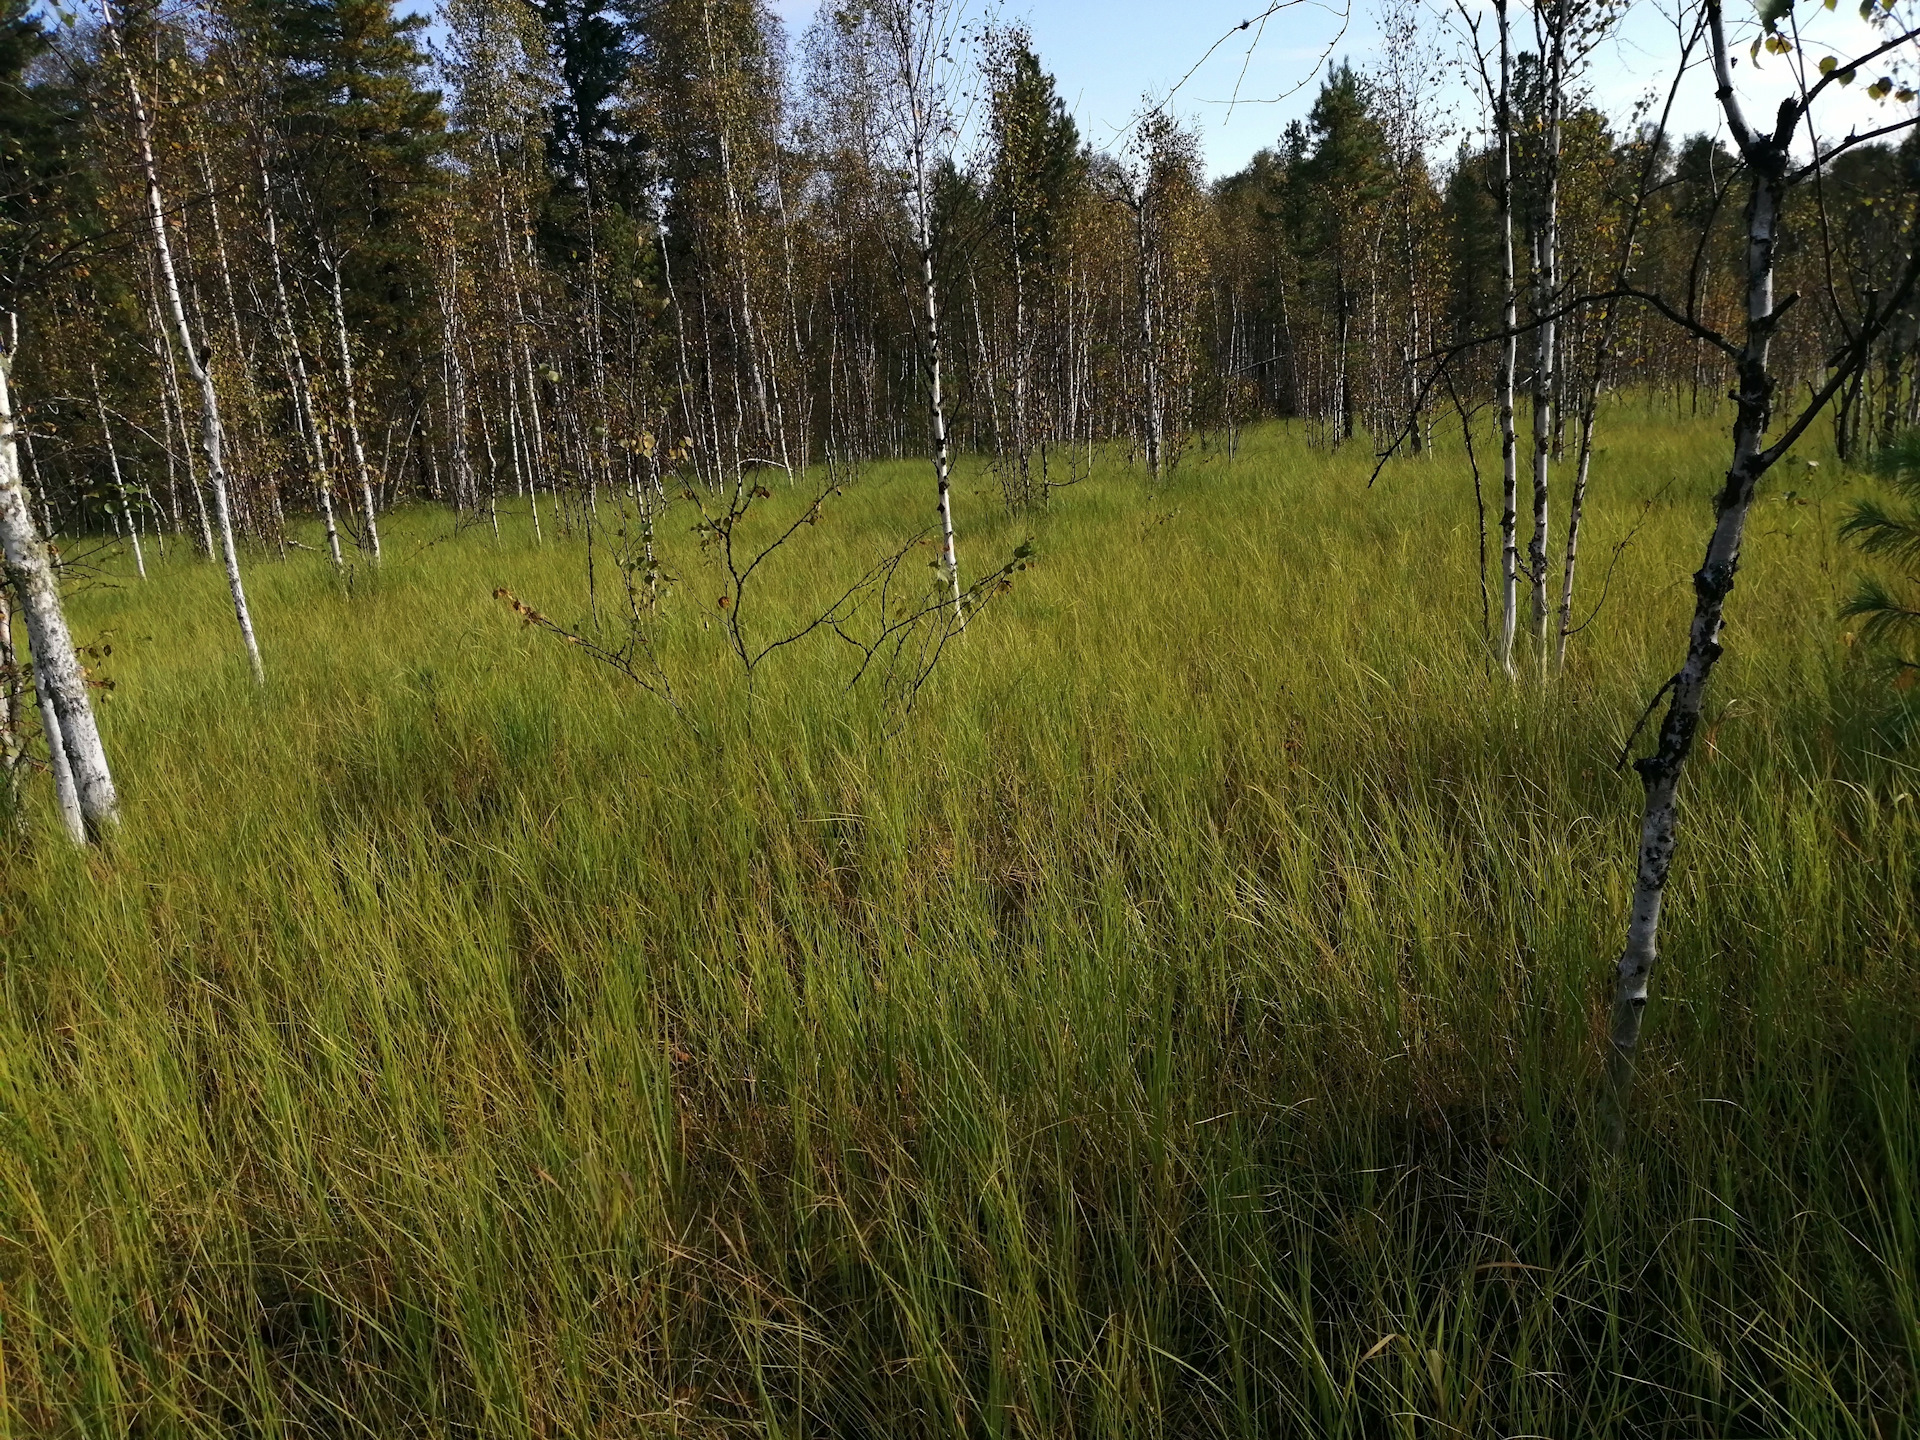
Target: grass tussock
(1183, 1022)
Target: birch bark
(1545, 296)
(910, 29)
(12, 740)
(66, 794)
(1149, 359)
(1767, 156)
(67, 712)
(936, 402)
(1509, 360)
(303, 385)
(119, 482)
(369, 522)
(174, 411)
(197, 362)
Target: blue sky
(1105, 55)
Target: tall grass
(1184, 1022)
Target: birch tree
(1509, 351)
(1496, 85)
(199, 360)
(914, 39)
(119, 480)
(1550, 35)
(67, 713)
(1772, 172)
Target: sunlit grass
(1183, 1021)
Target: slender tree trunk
(242, 362)
(1410, 245)
(936, 399)
(369, 522)
(1768, 158)
(516, 433)
(73, 737)
(1576, 512)
(302, 385)
(1022, 363)
(174, 412)
(454, 378)
(198, 364)
(119, 483)
(986, 372)
(1149, 359)
(1343, 363)
(486, 443)
(1545, 288)
(12, 718)
(1509, 361)
(66, 791)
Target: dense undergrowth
(1184, 1021)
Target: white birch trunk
(1767, 157)
(1576, 512)
(942, 459)
(302, 383)
(369, 523)
(119, 483)
(67, 711)
(912, 40)
(1545, 297)
(1509, 361)
(66, 796)
(197, 363)
(1149, 359)
(12, 740)
(454, 376)
(175, 407)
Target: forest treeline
(549, 248)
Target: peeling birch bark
(66, 710)
(12, 738)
